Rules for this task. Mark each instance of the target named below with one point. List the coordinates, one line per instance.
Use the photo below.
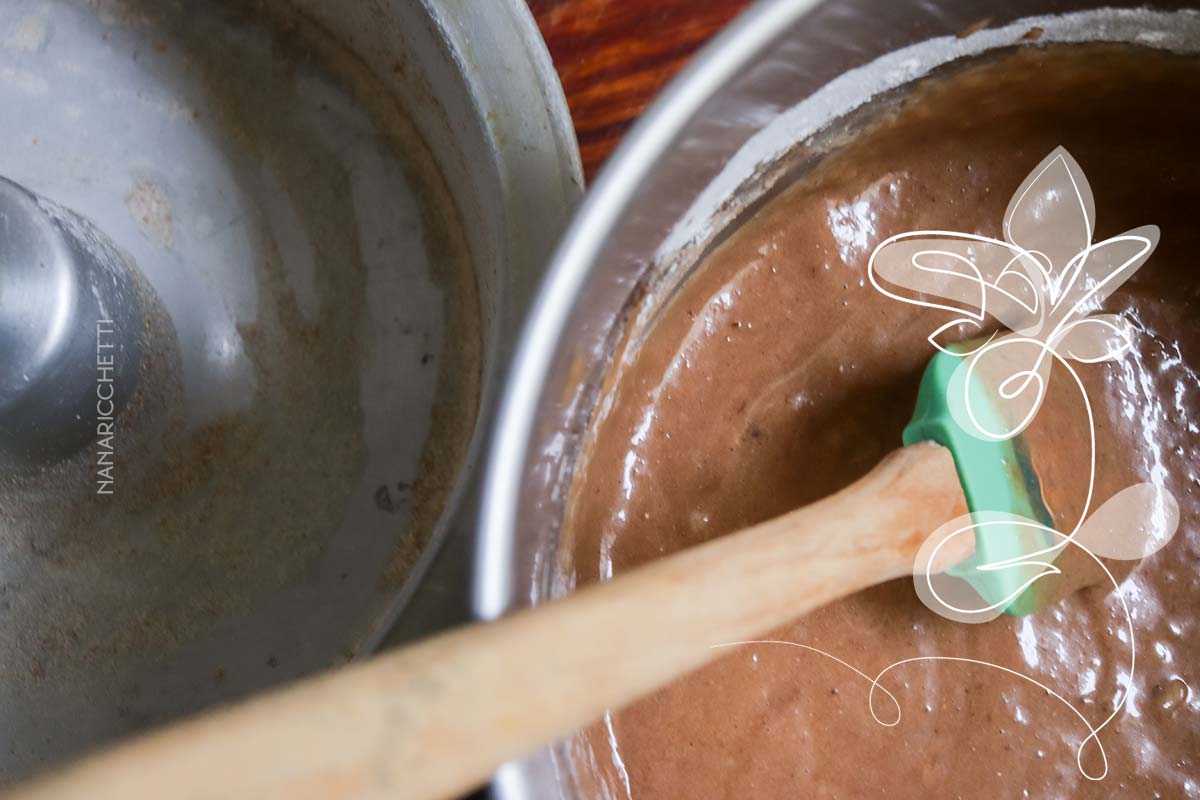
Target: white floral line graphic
(1042, 282)
(1093, 731)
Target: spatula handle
(435, 719)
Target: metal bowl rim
(716, 65)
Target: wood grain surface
(615, 55)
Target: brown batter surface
(778, 375)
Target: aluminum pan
(475, 81)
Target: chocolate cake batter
(778, 375)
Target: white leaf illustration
(967, 590)
(978, 275)
(1098, 270)
(1104, 337)
(1052, 214)
(1135, 522)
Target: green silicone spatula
(437, 718)
(997, 480)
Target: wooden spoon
(436, 719)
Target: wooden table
(613, 57)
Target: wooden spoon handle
(437, 718)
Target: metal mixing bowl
(337, 213)
(724, 132)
